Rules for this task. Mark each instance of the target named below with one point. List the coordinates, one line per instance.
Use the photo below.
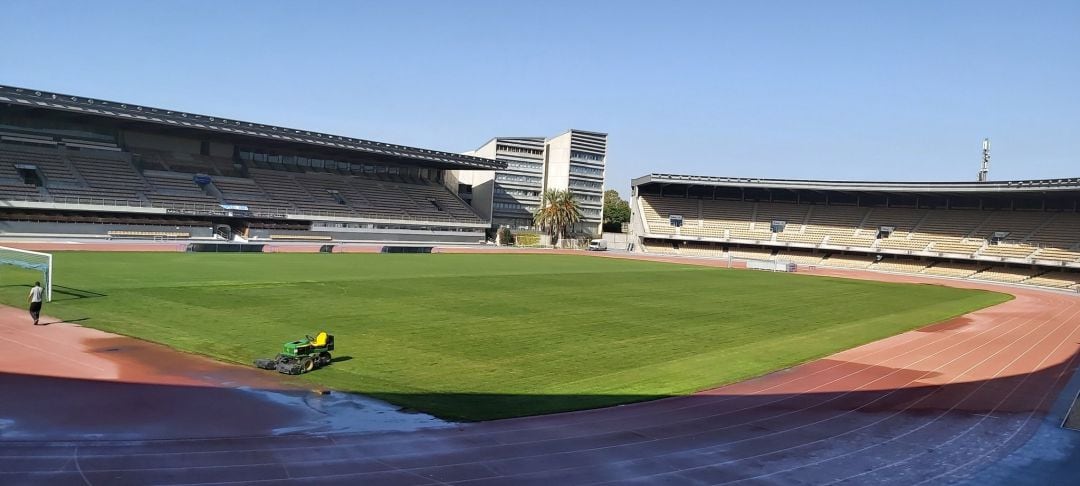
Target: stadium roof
(227, 126)
(1041, 186)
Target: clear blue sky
(901, 90)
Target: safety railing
(205, 209)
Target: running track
(931, 406)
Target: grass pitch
(476, 337)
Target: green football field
(476, 337)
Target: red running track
(931, 406)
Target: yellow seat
(320, 340)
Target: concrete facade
(574, 161)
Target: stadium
(94, 168)
(904, 333)
(1021, 232)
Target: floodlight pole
(984, 172)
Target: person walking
(35, 301)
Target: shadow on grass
(73, 293)
(897, 389)
(474, 407)
(341, 359)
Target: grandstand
(1025, 232)
(85, 167)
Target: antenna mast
(984, 172)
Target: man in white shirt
(35, 301)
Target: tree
(558, 211)
(506, 238)
(616, 211)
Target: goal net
(29, 265)
(770, 265)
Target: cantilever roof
(138, 113)
(1038, 185)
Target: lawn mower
(298, 357)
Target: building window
(518, 150)
(513, 206)
(586, 184)
(514, 164)
(517, 178)
(582, 170)
(515, 192)
(577, 154)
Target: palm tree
(558, 211)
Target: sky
(867, 90)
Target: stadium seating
(793, 215)
(246, 192)
(282, 186)
(904, 265)
(1059, 231)
(48, 161)
(946, 231)
(836, 226)
(979, 236)
(166, 179)
(799, 257)
(658, 212)
(954, 269)
(1058, 255)
(171, 188)
(903, 222)
(848, 261)
(745, 253)
(110, 172)
(1006, 274)
(20, 192)
(701, 249)
(1061, 280)
(955, 233)
(662, 247)
(8, 173)
(374, 197)
(1004, 250)
(1018, 224)
(733, 218)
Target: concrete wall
(483, 184)
(382, 235)
(637, 221)
(92, 229)
(482, 181)
(557, 163)
(616, 240)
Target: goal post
(771, 265)
(30, 260)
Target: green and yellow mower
(298, 357)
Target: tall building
(574, 161)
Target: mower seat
(320, 340)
